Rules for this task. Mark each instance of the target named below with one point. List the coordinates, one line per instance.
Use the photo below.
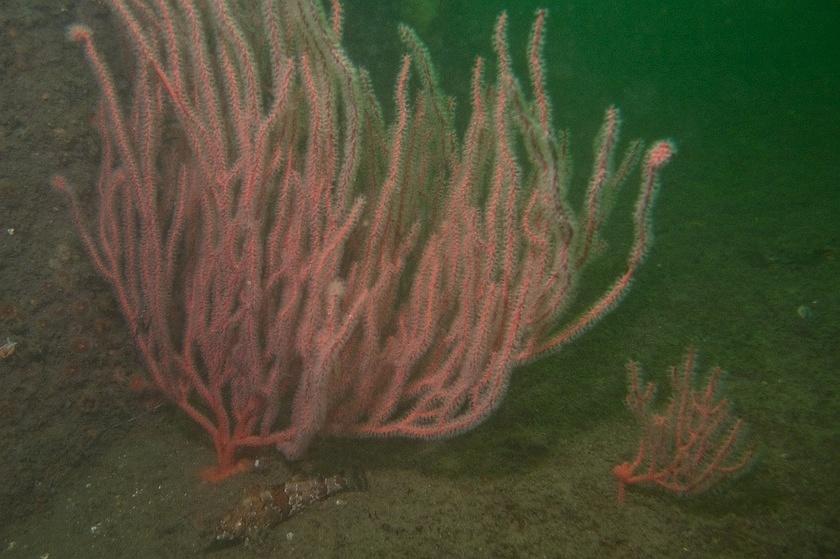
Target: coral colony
(291, 265)
(693, 444)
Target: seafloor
(746, 266)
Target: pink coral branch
(291, 265)
(690, 447)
